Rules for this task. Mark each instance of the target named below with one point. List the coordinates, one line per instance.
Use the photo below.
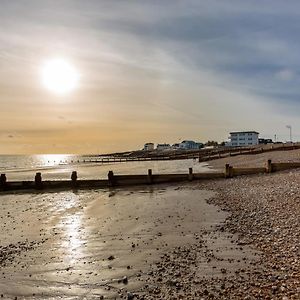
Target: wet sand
(86, 245)
(158, 242)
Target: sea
(60, 166)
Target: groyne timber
(114, 180)
(202, 155)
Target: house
(243, 138)
(265, 141)
(175, 146)
(160, 147)
(148, 147)
(187, 145)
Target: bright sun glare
(59, 76)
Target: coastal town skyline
(107, 76)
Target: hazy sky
(150, 71)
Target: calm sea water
(39, 161)
(60, 166)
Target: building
(188, 145)
(148, 147)
(265, 141)
(160, 147)
(175, 146)
(243, 138)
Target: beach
(264, 214)
(220, 239)
(84, 244)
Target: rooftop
(244, 132)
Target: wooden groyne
(128, 180)
(202, 155)
(218, 154)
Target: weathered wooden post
(191, 176)
(38, 181)
(150, 179)
(269, 166)
(227, 174)
(230, 171)
(74, 178)
(111, 179)
(3, 181)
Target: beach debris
(130, 296)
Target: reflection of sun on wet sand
(96, 243)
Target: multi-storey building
(243, 138)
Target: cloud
(285, 75)
(157, 63)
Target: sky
(149, 71)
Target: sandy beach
(222, 239)
(99, 243)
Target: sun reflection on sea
(52, 159)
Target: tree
(211, 143)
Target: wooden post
(111, 179)
(190, 177)
(230, 171)
(3, 181)
(150, 179)
(74, 178)
(38, 181)
(269, 166)
(227, 174)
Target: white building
(163, 147)
(243, 138)
(148, 147)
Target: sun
(59, 76)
